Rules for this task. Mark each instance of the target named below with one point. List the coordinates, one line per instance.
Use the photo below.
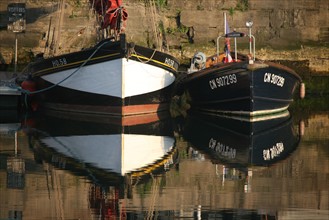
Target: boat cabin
(200, 61)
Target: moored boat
(114, 77)
(10, 96)
(239, 84)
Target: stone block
(290, 34)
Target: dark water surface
(201, 167)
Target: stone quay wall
(284, 29)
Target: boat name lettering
(273, 152)
(59, 62)
(223, 81)
(170, 62)
(223, 149)
(274, 79)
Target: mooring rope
(140, 60)
(27, 92)
(74, 72)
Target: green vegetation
(242, 5)
(161, 3)
(77, 3)
(200, 7)
(182, 29)
(231, 11)
(72, 15)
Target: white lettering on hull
(221, 148)
(273, 152)
(59, 62)
(274, 79)
(223, 81)
(170, 62)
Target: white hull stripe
(119, 78)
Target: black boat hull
(242, 88)
(114, 78)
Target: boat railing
(235, 35)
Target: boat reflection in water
(9, 121)
(237, 145)
(114, 155)
(11, 155)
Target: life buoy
(29, 85)
(302, 91)
(29, 101)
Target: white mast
(225, 23)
